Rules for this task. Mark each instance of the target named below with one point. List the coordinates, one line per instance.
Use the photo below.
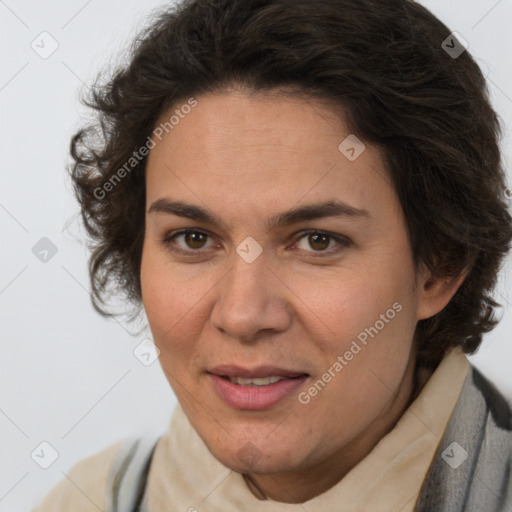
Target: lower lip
(255, 398)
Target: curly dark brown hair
(388, 64)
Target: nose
(252, 301)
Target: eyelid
(341, 241)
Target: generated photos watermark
(356, 346)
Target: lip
(255, 398)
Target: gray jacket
(470, 472)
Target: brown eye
(195, 239)
(320, 242)
(187, 241)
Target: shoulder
(497, 405)
(472, 463)
(482, 419)
(83, 487)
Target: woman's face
(297, 266)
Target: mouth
(255, 389)
(257, 381)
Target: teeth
(260, 381)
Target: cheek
(167, 298)
(342, 306)
(365, 361)
(165, 304)
(374, 320)
(177, 311)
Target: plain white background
(68, 376)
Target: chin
(245, 456)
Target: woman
(307, 201)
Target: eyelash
(341, 241)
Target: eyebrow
(330, 208)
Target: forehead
(276, 120)
(265, 151)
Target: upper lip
(228, 370)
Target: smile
(257, 389)
(258, 381)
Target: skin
(300, 304)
